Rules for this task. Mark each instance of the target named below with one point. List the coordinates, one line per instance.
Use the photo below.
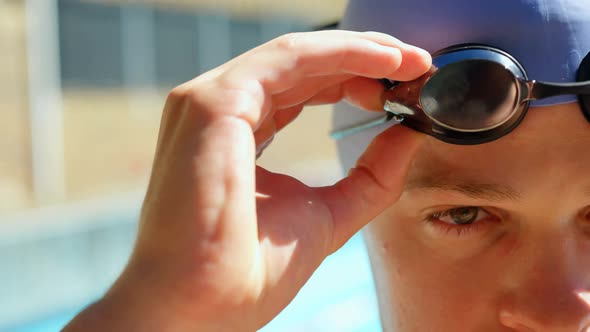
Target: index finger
(286, 62)
(368, 54)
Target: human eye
(461, 220)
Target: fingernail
(264, 145)
(419, 50)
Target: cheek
(420, 280)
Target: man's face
(517, 258)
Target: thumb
(375, 183)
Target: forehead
(550, 140)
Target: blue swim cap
(548, 37)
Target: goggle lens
(472, 95)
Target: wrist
(128, 306)
(125, 307)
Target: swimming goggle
(472, 94)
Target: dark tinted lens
(470, 95)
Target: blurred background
(82, 85)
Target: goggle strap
(341, 133)
(541, 90)
(584, 75)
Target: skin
(224, 245)
(523, 265)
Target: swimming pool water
(340, 296)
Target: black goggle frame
(402, 100)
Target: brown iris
(464, 215)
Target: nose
(562, 313)
(552, 293)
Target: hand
(225, 245)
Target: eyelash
(433, 219)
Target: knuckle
(176, 95)
(292, 48)
(223, 95)
(184, 98)
(194, 94)
(184, 94)
(289, 42)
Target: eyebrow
(486, 191)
